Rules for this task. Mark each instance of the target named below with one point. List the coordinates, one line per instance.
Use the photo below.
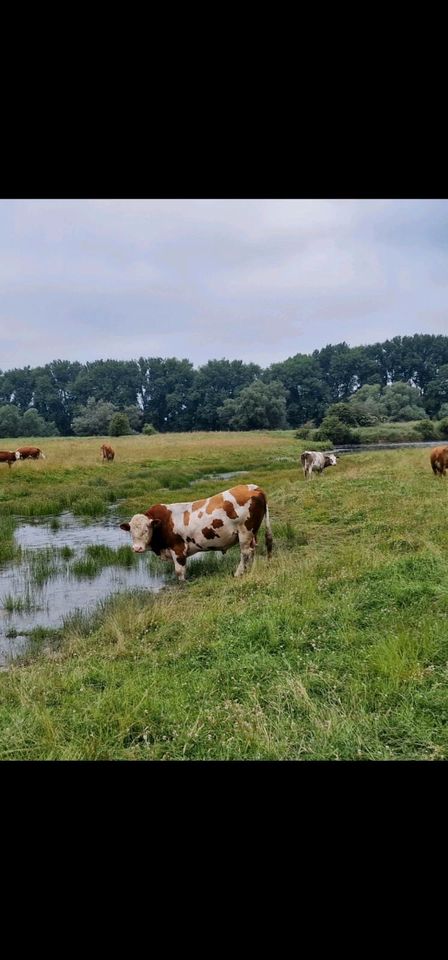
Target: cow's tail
(268, 533)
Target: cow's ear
(124, 526)
(156, 522)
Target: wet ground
(26, 604)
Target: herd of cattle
(176, 531)
(23, 453)
(34, 453)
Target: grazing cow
(7, 456)
(107, 452)
(439, 460)
(175, 531)
(315, 460)
(29, 453)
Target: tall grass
(98, 556)
(9, 551)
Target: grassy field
(338, 649)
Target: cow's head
(18, 455)
(141, 530)
(330, 460)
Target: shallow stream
(47, 583)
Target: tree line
(67, 398)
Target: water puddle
(56, 575)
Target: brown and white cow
(29, 453)
(107, 452)
(8, 456)
(175, 531)
(439, 460)
(316, 460)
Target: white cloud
(250, 279)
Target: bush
(426, 429)
(149, 430)
(443, 428)
(93, 419)
(393, 433)
(260, 406)
(10, 421)
(119, 425)
(344, 412)
(335, 430)
(302, 433)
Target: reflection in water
(30, 605)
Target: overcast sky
(257, 280)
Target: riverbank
(409, 431)
(365, 447)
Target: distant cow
(7, 456)
(315, 460)
(175, 531)
(439, 460)
(29, 453)
(107, 452)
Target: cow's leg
(179, 565)
(247, 548)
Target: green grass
(335, 649)
(98, 556)
(107, 556)
(9, 552)
(403, 432)
(66, 553)
(41, 564)
(24, 604)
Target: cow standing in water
(439, 460)
(175, 531)
(29, 453)
(315, 460)
(107, 452)
(8, 456)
